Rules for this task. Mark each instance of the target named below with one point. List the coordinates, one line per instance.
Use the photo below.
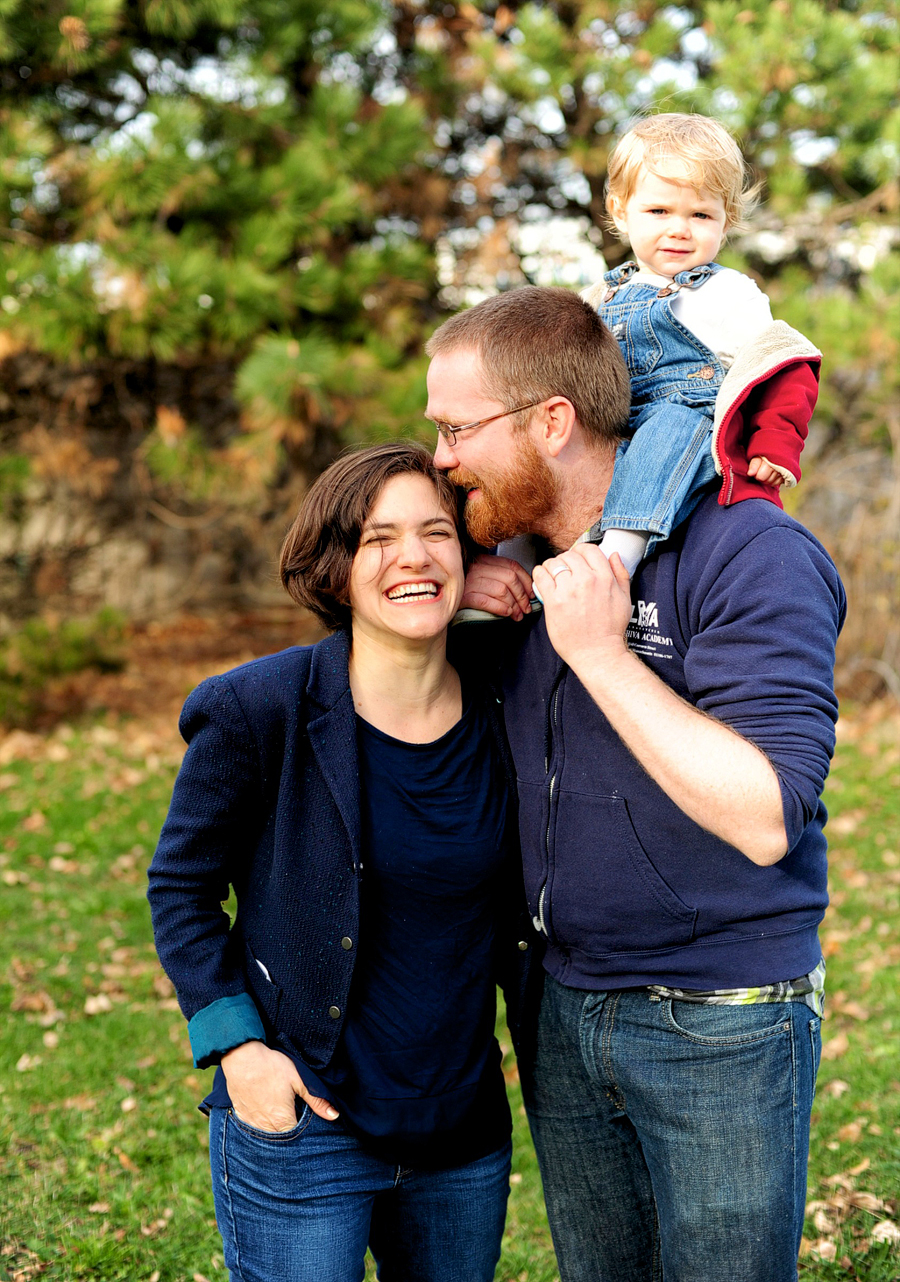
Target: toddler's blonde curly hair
(683, 148)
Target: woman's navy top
(416, 1075)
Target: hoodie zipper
(540, 921)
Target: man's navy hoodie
(738, 613)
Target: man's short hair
(683, 148)
(535, 343)
(318, 550)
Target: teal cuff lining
(220, 1027)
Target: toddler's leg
(660, 476)
(631, 546)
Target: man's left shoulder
(754, 550)
(730, 531)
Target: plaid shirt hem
(809, 989)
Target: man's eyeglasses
(450, 433)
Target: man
(672, 737)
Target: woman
(355, 794)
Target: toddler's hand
(763, 470)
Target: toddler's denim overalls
(662, 472)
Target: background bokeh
(228, 226)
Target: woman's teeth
(413, 592)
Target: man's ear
(558, 425)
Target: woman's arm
(214, 815)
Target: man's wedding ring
(563, 569)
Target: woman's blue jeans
(672, 1137)
(303, 1205)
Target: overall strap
(618, 277)
(693, 278)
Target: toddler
(717, 386)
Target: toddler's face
(672, 226)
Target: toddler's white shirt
(727, 311)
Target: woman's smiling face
(407, 575)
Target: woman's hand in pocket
(264, 1084)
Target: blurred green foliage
(14, 472)
(192, 178)
(301, 190)
(42, 650)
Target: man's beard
(510, 503)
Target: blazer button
(334, 1012)
(523, 945)
(346, 943)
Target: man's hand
(498, 585)
(587, 603)
(263, 1085)
(720, 780)
(763, 470)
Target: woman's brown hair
(318, 550)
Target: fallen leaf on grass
(97, 1005)
(886, 1231)
(83, 1103)
(151, 1230)
(98, 1208)
(855, 1010)
(850, 1133)
(822, 1222)
(866, 1201)
(836, 1046)
(19, 746)
(35, 822)
(49, 1018)
(847, 823)
(836, 1088)
(32, 1001)
(126, 1161)
(129, 1104)
(59, 864)
(25, 1063)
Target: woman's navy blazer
(267, 801)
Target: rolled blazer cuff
(221, 1026)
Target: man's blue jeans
(672, 1137)
(303, 1205)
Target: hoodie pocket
(607, 895)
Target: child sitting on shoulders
(717, 386)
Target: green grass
(103, 1161)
